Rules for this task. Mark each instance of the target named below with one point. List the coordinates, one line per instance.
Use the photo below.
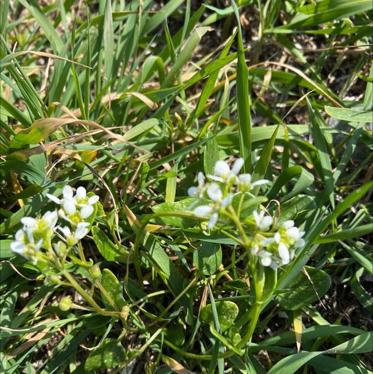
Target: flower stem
(86, 296)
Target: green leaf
(207, 258)
(113, 288)
(327, 10)
(108, 40)
(365, 299)
(355, 232)
(350, 115)
(290, 364)
(165, 267)
(227, 313)
(330, 365)
(107, 248)
(185, 54)
(304, 290)
(109, 356)
(5, 251)
(210, 155)
(181, 206)
(265, 157)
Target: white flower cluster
(276, 247)
(38, 233)
(273, 244)
(220, 189)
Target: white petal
(38, 244)
(200, 179)
(20, 235)
(266, 223)
(226, 201)
(69, 205)
(81, 231)
(213, 220)
(81, 192)
(255, 249)
(202, 211)
(51, 218)
(93, 199)
(260, 182)
(277, 237)
(65, 231)
(30, 236)
(221, 169)
(257, 217)
(86, 211)
(265, 258)
(216, 179)
(192, 191)
(293, 233)
(53, 198)
(266, 261)
(245, 178)
(17, 247)
(237, 166)
(28, 221)
(214, 192)
(288, 224)
(67, 192)
(284, 253)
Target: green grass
(131, 99)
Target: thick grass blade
(243, 98)
(108, 41)
(185, 54)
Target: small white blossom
(200, 189)
(223, 173)
(72, 237)
(262, 221)
(265, 258)
(75, 208)
(284, 254)
(47, 222)
(203, 211)
(245, 182)
(24, 243)
(214, 192)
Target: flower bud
(95, 272)
(65, 303)
(124, 313)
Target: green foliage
(131, 100)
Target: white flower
(214, 192)
(203, 211)
(24, 243)
(47, 222)
(80, 232)
(284, 254)
(265, 258)
(199, 190)
(80, 204)
(245, 182)
(262, 221)
(223, 173)
(213, 219)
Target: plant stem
(86, 296)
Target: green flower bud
(95, 271)
(65, 303)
